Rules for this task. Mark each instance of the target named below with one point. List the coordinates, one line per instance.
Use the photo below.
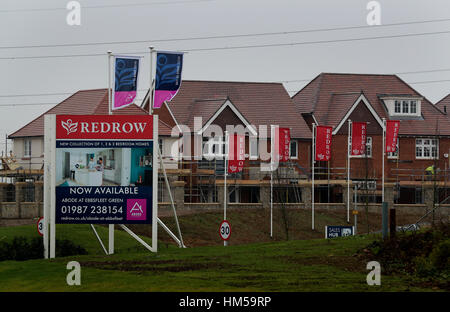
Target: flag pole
(313, 154)
(225, 171)
(272, 142)
(150, 95)
(110, 226)
(348, 169)
(384, 153)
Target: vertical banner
(359, 136)
(284, 142)
(236, 153)
(169, 66)
(323, 143)
(126, 71)
(392, 128)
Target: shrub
(21, 248)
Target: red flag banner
(284, 142)
(392, 127)
(323, 143)
(236, 153)
(359, 136)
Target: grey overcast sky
(43, 22)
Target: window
(413, 107)
(214, 147)
(293, 149)
(253, 142)
(426, 148)
(160, 142)
(368, 147)
(405, 107)
(397, 107)
(394, 155)
(27, 148)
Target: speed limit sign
(40, 226)
(225, 230)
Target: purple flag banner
(168, 76)
(126, 70)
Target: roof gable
(84, 102)
(322, 94)
(365, 114)
(258, 103)
(228, 114)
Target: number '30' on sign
(225, 230)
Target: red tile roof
(84, 102)
(329, 97)
(445, 102)
(258, 103)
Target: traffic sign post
(225, 231)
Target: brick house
(28, 141)
(444, 104)
(424, 138)
(245, 104)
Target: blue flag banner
(168, 76)
(126, 70)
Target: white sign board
(225, 230)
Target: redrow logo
(104, 127)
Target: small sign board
(333, 231)
(225, 230)
(40, 226)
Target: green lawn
(297, 265)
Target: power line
(104, 6)
(410, 83)
(241, 47)
(398, 73)
(50, 94)
(38, 104)
(283, 81)
(227, 36)
(316, 42)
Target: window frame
(368, 138)
(296, 149)
(27, 142)
(395, 155)
(211, 142)
(423, 145)
(399, 107)
(404, 107)
(253, 151)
